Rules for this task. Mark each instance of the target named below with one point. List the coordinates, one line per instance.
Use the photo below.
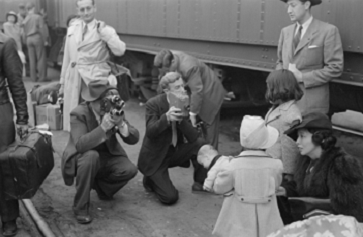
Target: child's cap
(254, 134)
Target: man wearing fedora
(170, 141)
(93, 155)
(313, 51)
(206, 90)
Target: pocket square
(313, 46)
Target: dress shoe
(102, 196)
(147, 187)
(198, 188)
(83, 217)
(10, 228)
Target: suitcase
(25, 165)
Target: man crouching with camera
(93, 154)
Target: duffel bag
(25, 165)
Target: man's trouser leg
(41, 56)
(9, 210)
(114, 174)
(160, 181)
(88, 164)
(211, 131)
(32, 58)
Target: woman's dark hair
(323, 138)
(282, 85)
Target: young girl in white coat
(283, 92)
(249, 183)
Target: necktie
(174, 138)
(297, 37)
(84, 31)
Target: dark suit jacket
(319, 56)
(207, 92)
(158, 135)
(86, 135)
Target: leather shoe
(10, 228)
(102, 196)
(147, 187)
(198, 188)
(83, 217)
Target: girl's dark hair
(323, 138)
(282, 85)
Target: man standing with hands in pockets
(313, 51)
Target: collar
(305, 25)
(286, 105)
(90, 25)
(254, 153)
(214, 161)
(175, 64)
(97, 116)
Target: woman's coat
(285, 149)
(86, 60)
(249, 207)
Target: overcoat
(335, 175)
(86, 134)
(207, 91)
(319, 56)
(249, 207)
(86, 59)
(285, 149)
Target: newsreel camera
(113, 104)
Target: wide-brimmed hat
(316, 120)
(255, 134)
(162, 58)
(95, 90)
(313, 2)
(11, 13)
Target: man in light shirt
(313, 51)
(86, 55)
(93, 156)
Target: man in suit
(206, 90)
(10, 79)
(93, 154)
(170, 141)
(313, 51)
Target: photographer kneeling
(93, 155)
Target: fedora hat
(163, 58)
(95, 90)
(254, 133)
(315, 120)
(313, 2)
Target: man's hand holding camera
(110, 121)
(174, 114)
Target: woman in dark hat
(324, 170)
